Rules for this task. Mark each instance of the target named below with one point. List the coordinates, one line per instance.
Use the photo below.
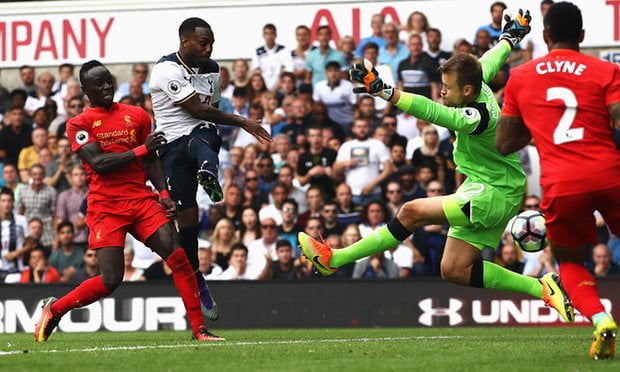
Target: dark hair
(432, 29)
(279, 185)
(37, 165)
(238, 247)
(15, 107)
(257, 106)
(291, 201)
(240, 92)
(563, 23)
(546, 2)
(371, 45)
(302, 27)
(87, 67)
(386, 212)
(283, 243)
(35, 219)
(497, 3)
(188, 27)
(64, 224)
(23, 67)
(18, 92)
(468, 71)
(68, 65)
(330, 202)
(324, 27)
(270, 26)
(313, 126)
(288, 75)
(333, 64)
(79, 98)
(7, 191)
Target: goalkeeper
(492, 194)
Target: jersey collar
(102, 110)
(189, 69)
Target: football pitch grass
(354, 349)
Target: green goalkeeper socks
(382, 239)
(499, 278)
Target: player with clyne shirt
(186, 90)
(118, 150)
(480, 209)
(567, 101)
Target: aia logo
(430, 313)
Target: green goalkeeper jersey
(475, 124)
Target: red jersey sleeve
(612, 94)
(79, 133)
(511, 106)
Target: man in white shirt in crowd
(271, 59)
(337, 95)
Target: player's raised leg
(203, 147)
(165, 243)
(112, 269)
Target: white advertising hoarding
(130, 35)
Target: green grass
(358, 349)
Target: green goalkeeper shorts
(478, 213)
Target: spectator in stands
(65, 71)
(417, 24)
(531, 202)
(462, 46)
(70, 201)
(271, 59)
(418, 72)
(337, 95)
(302, 35)
(90, 268)
(285, 267)
(314, 227)
(66, 258)
(45, 156)
(11, 179)
(15, 136)
(29, 156)
(315, 199)
(453, 179)
(26, 74)
(424, 175)
(364, 162)
(329, 215)
(250, 227)
(263, 250)
(539, 263)
(234, 174)
(347, 46)
(433, 37)
(14, 244)
(57, 172)
(365, 109)
(374, 215)
(287, 87)
(238, 265)
(222, 241)
(45, 82)
(602, 265)
(317, 59)
(254, 195)
(377, 21)
(296, 121)
(509, 255)
(240, 71)
(494, 29)
(286, 176)
(398, 157)
(348, 212)
(136, 92)
(74, 107)
(40, 118)
(376, 267)
(39, 200)
(206, 266)
(315, 165)
(266, 170)
(394, 196)
(394, 51)
(232, 205)
(38, 270)
(411, 188)
(274, 115)
(428, 154)
(277, 196)
(131, 273)
(381, 134)
(225, 83)
(371, 53)
(256, 88)
(290, 228)
(140, 73)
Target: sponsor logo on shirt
(97, 123)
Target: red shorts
(570, 218)
(110, 221)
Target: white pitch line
(225, 344)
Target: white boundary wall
(50, 33)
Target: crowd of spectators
(340, 165)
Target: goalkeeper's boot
(204, 335)
(210, 185)
(555, 296)
(604, 342)
(318, 252)
(47, 323)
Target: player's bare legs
(165, 243)
(581, 288)
(111, 268)
(188, 237)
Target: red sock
(581, 288)
(185, 281)
(85, 294)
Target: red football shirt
(119, 129)
(563, 98)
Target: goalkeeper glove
(516, 28)
(367, 75)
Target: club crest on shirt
(128, 122)
(81, 137)
(174, 86)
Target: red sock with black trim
(86, 293)
(581, 288)
(185, 281)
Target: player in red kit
(116, 146)
(567, 102)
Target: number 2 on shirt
(563, 132)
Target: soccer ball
(529, 231)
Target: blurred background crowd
(340, 165)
